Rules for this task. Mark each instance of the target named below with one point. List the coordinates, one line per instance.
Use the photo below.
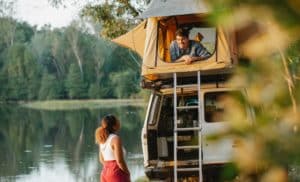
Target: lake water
(60, 146)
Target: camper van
(187, 104)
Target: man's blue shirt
(195, 49)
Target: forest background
(65, 63)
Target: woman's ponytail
(101, 135)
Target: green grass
(83, 104)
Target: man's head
(182, 38)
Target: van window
(154, 109)
(166, 116)
(199, 33)
(185, 117)
(215, 105)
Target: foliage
(94, 91)
(269, 147)
(50, 88)
(59, 63)
(6, 8)
(75, 83)
(115, 17)
(21, 73)
(129, 80)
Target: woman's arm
(101, 160)
(118, 152)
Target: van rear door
(149, 131)
(215, 105)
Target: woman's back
(106, 149)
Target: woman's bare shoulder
(116, 139)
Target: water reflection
(59, 145)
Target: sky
(40, 12)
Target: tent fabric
(158, 8)
(150, 51)
(134, 39)
(153, 65)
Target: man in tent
(183, 49)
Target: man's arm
(199, 58)
(188, 59)
(185, 58)
(200, 52)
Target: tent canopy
(158, 8)
(134, 39)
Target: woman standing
(111, 151)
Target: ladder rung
(188, 169)
(188, 129)
(187, 107)
(186, 86)
(188, 147)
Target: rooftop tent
(155, 59)
(135, 39)
(155, 34)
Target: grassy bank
(83, 104)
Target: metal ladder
(198, 128)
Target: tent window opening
(201, 41)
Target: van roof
(159, 8)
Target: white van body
(158, 136)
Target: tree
(6, 8)
(94, 91)
(50, 88)
(75, 84)
(15, 70)
(24, 32)
(115, 17)
(7, 23)
(3, 89)
(33, 74)
(124, 83)
(52, 51)
(73, 35)
(7, 31)
(22, 73)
